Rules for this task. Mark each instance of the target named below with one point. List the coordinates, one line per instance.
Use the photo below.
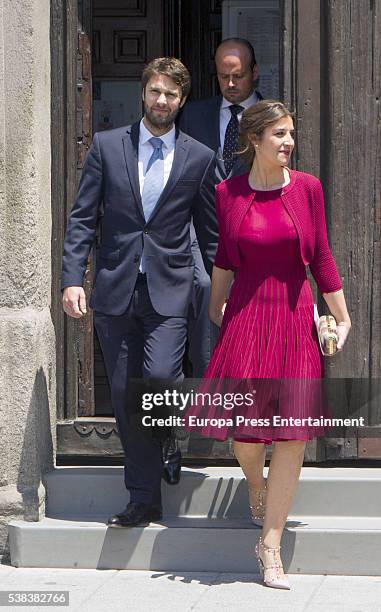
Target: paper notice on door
(258, 22)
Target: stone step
(214, 492)
(310, 545)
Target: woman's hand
(343, 330)
(338, 308)
(216, 317)
(221, 282)
(217, 320)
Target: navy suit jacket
(110, 176)
(201, 120)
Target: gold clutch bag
(327, 333)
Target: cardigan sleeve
(222, 258)
(323, 266)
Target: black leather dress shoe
(135, 514)
(171, 463)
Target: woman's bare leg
(251, 457)
(285, 466)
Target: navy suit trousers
(140, 344)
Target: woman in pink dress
(272, 225)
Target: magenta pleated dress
(268, 332)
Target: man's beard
(160, 121)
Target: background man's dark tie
(231, 138)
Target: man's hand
(74, 302)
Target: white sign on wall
(259, 22)
(116, 103)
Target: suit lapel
(239, 167)
(131, 150)
(179, 158)
(216, 145)
(216, 127)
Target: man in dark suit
(214, 122)
(152, 179)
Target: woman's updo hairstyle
(255, 120)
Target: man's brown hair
(170, 67)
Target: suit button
(146, 231)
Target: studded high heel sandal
(271, 572)
(258, 507)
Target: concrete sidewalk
(121, 590)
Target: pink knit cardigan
(304, 201)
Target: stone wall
(27, 339)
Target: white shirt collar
(168, 138)
(253, 99)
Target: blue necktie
(231, 138)
(153, 183)
(154, 178)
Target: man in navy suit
(214, 122)
(151, 179)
